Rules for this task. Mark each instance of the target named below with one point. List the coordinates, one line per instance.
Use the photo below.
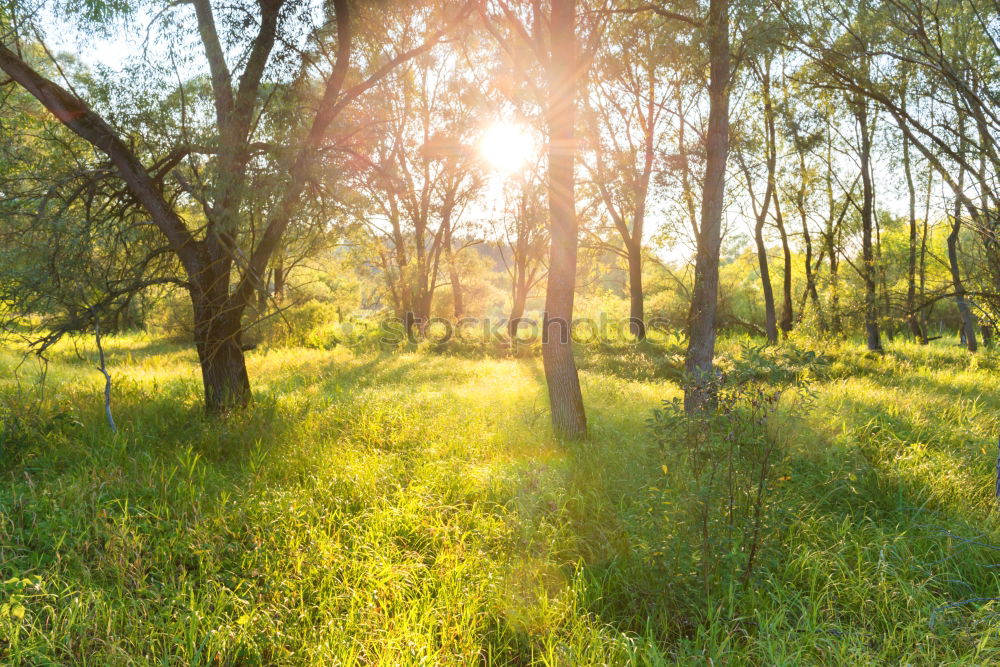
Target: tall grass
(413, 508)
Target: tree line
(840, 144)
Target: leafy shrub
(306, 324)
(723, 467)
(780, 365)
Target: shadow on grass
(576, 514)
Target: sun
(506, 147)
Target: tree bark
(704, 295)
(968, 322)
(867, 223)
(217, 337)
(637, 318)
(785, 324)
(770, 318)
(911, 265)
(565, 398)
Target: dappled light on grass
(393, 509)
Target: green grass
(414, 508)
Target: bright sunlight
(507, 147)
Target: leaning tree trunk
(565, 398)
(911, 266)
(867, 219)
(704, 294)
(968, 322)
(637, 317)
(810, 290)
(770, 319)
(830, 238)
(772, 187)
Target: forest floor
(413, 508)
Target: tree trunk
(786, 288)
(922, 264)
(867, 218)
(911, 267)
(217, 337)
(517, 309)
(637, 318)
(836, 326)
(565, 398)
(704, 295)
(456, 285)
(888, 327)
(262, 295)
(807, 238)
(770, 318)
(421, 313)
(279, 281)
(835, 323)
(968, 322)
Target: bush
(723, 467)
(309, 324)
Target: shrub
(725, 473)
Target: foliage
(730, 454)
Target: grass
(414, 508)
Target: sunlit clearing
(506, 147)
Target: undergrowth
(413, 508)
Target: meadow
(412, 507)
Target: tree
(625, 108)
(860, 110)
(949, 58)
(565, 397)
(762, 208)
(704, 295)
(522, 241)
(552, 39)
(415, 175)
(964, 312)
(222, 265)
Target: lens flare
(506, 147)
